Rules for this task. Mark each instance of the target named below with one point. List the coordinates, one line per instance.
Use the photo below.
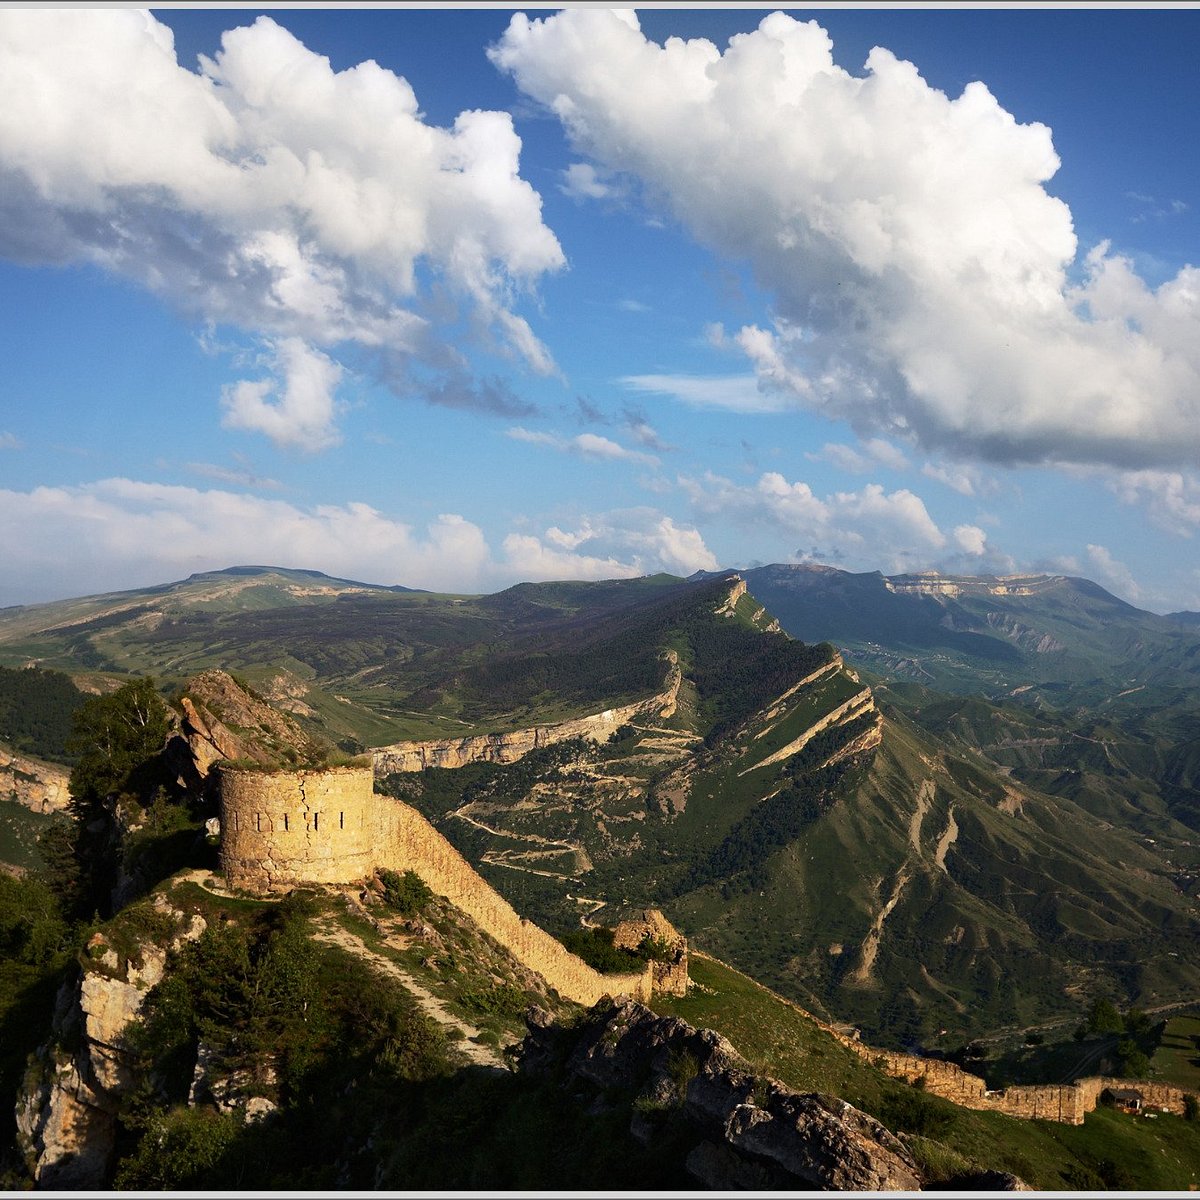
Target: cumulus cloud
(582, 181)
(1170, 498)
(295, 408)
(264, 190)
(624, 543)
(1112, 573)
(920, 270)
(586, 445)
(120, 533)
(869, 528)
(868, 456)
(962, 478)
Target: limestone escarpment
(67, 1107)
(40, 786)
(749, 1132)
(509, 747)
(223, 722)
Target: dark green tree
(118, 740)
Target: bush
(408, 894)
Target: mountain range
(916, 804)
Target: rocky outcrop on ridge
(750, 1132)
(221, 721)
(40, 786)
(67, 1107)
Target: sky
(459, 298)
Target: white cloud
(1170, 498)
(1112, 573)
(582, 181)
(868, 456)
(962, 478)
(917, 263)
(585, 445)
(738, 393)
(10, 441)
(296, 409)
(868, 528)
(970, 539)
(120, 533)
(265, 190)
(624, 543)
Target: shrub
(408, 894)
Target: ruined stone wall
(1155, 1096)
(282, 828)
(1068, 1103)
(409, 842)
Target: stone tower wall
(283, 828)
(410, 843)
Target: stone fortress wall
(280, 829)
(1067, 1102)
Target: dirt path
(478, 1055)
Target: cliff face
(67, 1108)
(222, 721)
(509, 747)
(38, 785)
(748, 1131)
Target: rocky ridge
(749, 1131)
(40, 786)
(67, 1108)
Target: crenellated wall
(280, 829)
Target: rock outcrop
(510, 747)
(222, 721)
(40, 786)
(66, 1111)
(749, 1131)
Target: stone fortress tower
(284, 828)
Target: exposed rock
(509, 747)
(66, 1111)
(41, 786)
(213, 1082)
(222, 721)
(752, 1132)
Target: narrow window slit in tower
(341, 820)
(316, 822)
(285, 824)
(258, 822)
(235, 823)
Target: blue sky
(556, 296)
